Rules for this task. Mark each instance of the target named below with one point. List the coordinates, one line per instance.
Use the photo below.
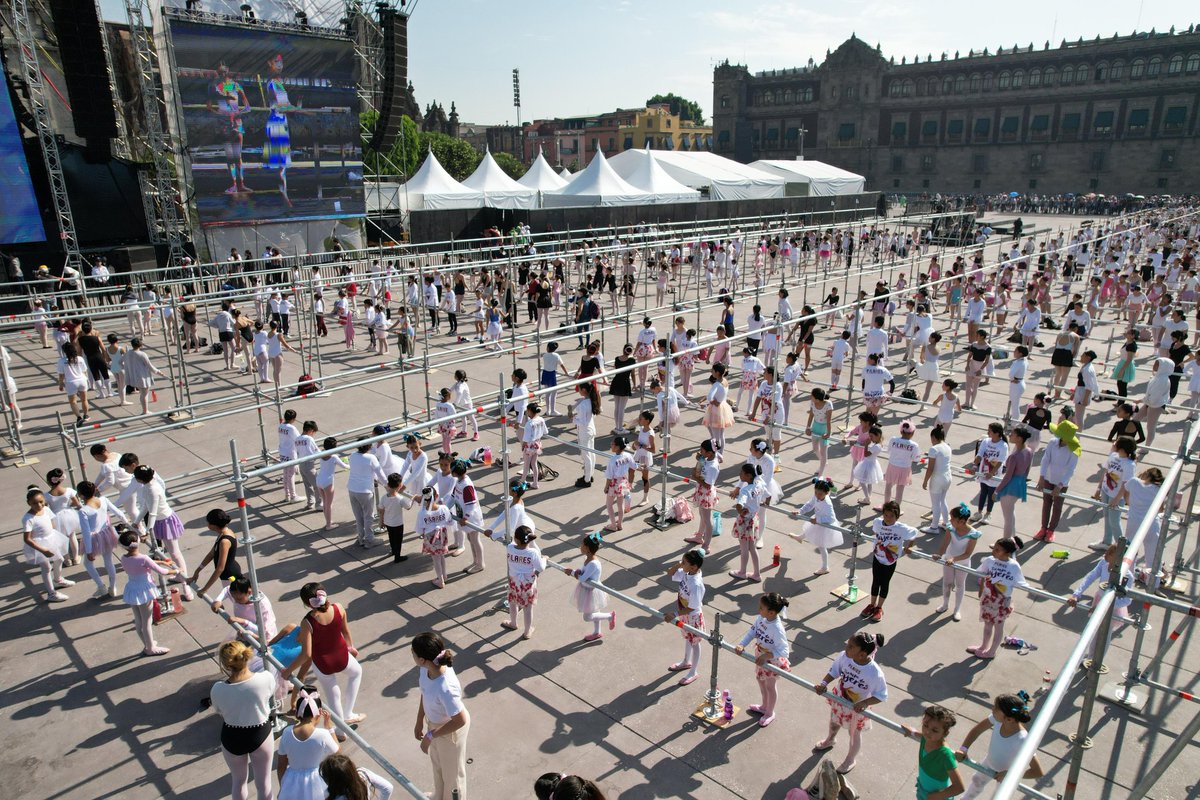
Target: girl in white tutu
(927, 370)
(819, 510)
(772, 494)
(867, 473)
(45, 545)
(667, 402)
(705, 473)
(718, 416)
(303, 747)
(589, 601)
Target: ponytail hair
(1015, 706)
(430, 647)
(867, 642)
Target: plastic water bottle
(716, 522)
(775, 557)
(728, 705)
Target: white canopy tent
(499, 190)
(432, 187)
(596, 185)
(644, 173)
(726, 179)
(541, 177)
(821, 179)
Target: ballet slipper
(438, 584)
(591, 637)
(687, 679)
(679, 667)
(528, 634)
(766, 720)
(822, 746)
(508, 625)
(755, 709)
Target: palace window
(1102, 123)
(1009, 128)
(1039, 126)
(1035, 78)
(724, 101)
(1166, 159)
(929, 130)
(1175, 119)
(1036, 161)
(947, 85)
(927, 163)
(1005, 80)
(960, 84)
(1101, 71)
(1139, 120)
(899, 132)
(807, 96)
(1018, 79)
(1137, 69)
(976, 82)
(983, 127)
(1081, 73)
(1068, 76)
(988, 81)
(897, 163)
(1154, 68)
(1048, 76)
(979, 163)
(1193, 64)
(894, 89)
(954, 130)
(1175, 65)
(846, 132)
(788, 97)
(906, 88)
(1069, 129)
(1117, 71)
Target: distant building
(574, 141)
(1107, 115)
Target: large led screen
(271, 122)
(20, 220)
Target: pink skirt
(745, 527)
(619, 487)
(103, 541)
(696, 620)
(993, 606)
(705, 497)
(857, 453)
(531, 447)
(522, 594)
(718, 416)
(447, 427)
(898, 476)
(168, 528)
(762, 674)
(844, 716)
(588, 600)
(641, 352)
(435, 542)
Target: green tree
(686, 109)
(458, 157)
(405, 155)
(509, 163)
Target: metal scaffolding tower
(160, 193)
(31, 72)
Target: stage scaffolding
(31, 73)
(161, 196)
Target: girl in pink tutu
(589, 601)
(771, 647)
(96, 513)
(705, 473)
(867, 473)
(140, 591)
(163, 523)
(525, 563)
(718, 416)
(862, 684)
(1001, 574)
(860, 434)
(748, 497)
(689, 610)
(618, 476)
(819, 511)
(902, 452)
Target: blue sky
(578, 58)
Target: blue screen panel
(20, 220)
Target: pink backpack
(681, 511)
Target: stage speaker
(81, 47)
(395, 78)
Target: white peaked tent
(566, 174)
(432, 187)
(644, 173)
(726, 179)
(596, 185)
(499, 190)
(822, 180)
(541, 177)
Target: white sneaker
(57, 597)
(61, 582)
(1101, 546)
(956, 616)
(940, 610)
(112, 592)
(100, 594)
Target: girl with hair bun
(705, 474)
(325, 639)
(468, 512)
(867, 472)
(771, 646)
(689, 609)
(1010, 714)
(45, 545)
(958, 545)
(345, 781)
(243, 700)
(525, 563)
(59, 498)
(618, 477)
(560, 786)
(442, 720)
(718, 416)
(1001, 574)
(96, 514)
(862, 683)
(819, 510)
(747, 499)
(303, 747)
(433, 526)
(587, 600)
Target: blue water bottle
(716, 522)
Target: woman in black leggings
(243, 700)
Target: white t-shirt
(941, 453)
(770, 635)
(1002, 575)
(890, 540)
(902, 452)
(1117, 470)
(691, 590)
(618, 466)
(287, 440)
(859, 681)
(524, 563)
(441, 697)
(995, 452)
(393, 506)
